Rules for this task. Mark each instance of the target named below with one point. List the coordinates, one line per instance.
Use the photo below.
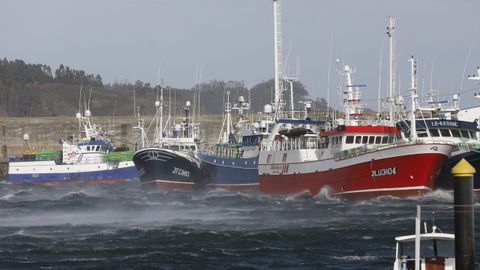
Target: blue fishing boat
(442, 122)
(232, 163)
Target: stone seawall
(46, 132)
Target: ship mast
(278, 91)
(392, 69)
(348, 95)
(351, 96)
(290, 81)
(141, 127)
(224, 136)
(159, 119)
(413, 90)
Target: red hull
(168, 185)
(359, 181)
(95, 181)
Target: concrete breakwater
(46, 132)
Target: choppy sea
(121, 226)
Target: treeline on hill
(35, 90)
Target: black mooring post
(464, 222)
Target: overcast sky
(233, 40)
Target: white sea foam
(357, 258)
(22, 232)
(82, 193)
(326, 194)
(439, 194)
(301, 195)
(7, 197)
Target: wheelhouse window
(364, 139)
(455, 133)
(324, 141)
(358, 139)
(378, 139)
(434, 133)
(441, 248)
(284, 159)
(385, 139)
(422, 133)
(445, 133)
(390, 139)
(371, 139)
(464, 134)
(349, 139)
(472, 135)
(269, 157)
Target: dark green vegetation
(36, 90)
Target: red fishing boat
(356, 157)
(353, 161)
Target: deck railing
(291, 144)
(222, 152)
(469, 146)
(313, 143)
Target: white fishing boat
(433, 250)
(89, 157)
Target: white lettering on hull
(383, 172)
(279, 169)
(180, 172)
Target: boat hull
(235, 174)
(47, 172)
(402, 171)
(446, 180)
(166, 169)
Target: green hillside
(37, 90)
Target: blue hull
(161, 168)
(113, 175)
(231, 173)
(445, 178)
